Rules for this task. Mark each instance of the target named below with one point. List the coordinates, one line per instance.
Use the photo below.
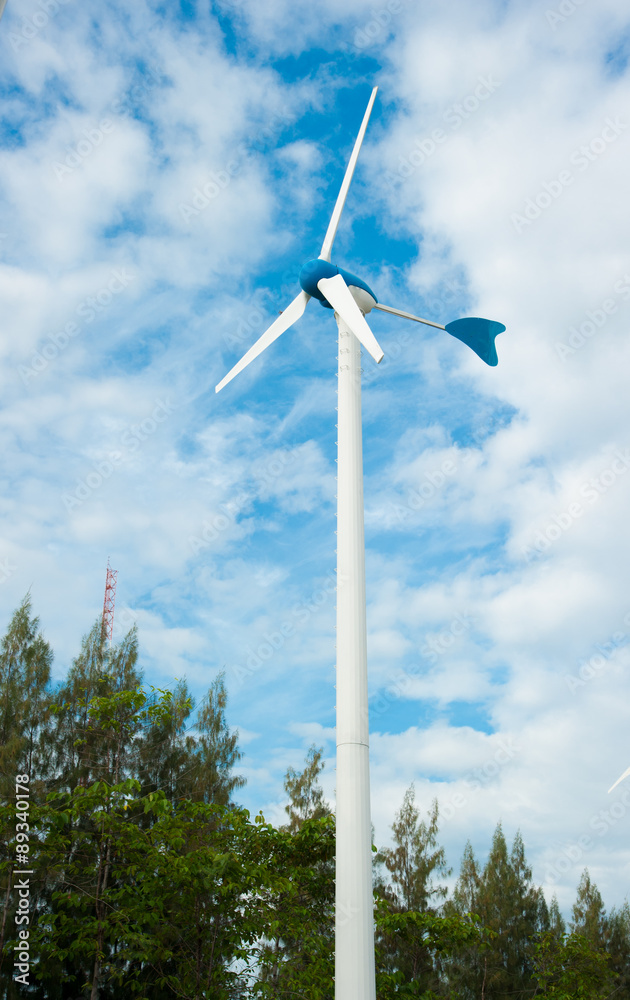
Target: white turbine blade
(286, 319)
(340, 298)
(399, 312)
(619, 780)
(343, 191)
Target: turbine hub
(314, 270)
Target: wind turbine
(351, 299)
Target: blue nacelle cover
(314, 270)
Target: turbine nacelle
(314, 270)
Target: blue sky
(492, 182)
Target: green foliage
(151, 883)
(406, 953)
(415, 859)
(297, 956)
(618, 947)
(514, 912)
(93, 739)
(305, 793)
(435, 937)
(25, 661)
(297, 953)
(187, 765)
(98, 828)
(571, 968)
(191, 901)
(589, 915)
(175, 905)
(555, 920)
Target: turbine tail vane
(341, 197)
(286, 319)
(478, 334)
(406, 315)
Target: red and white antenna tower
(109, 602)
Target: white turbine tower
(351, 299)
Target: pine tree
(619, 947)
(216, 750)
(589, 915)
(164, 758)
(304, 916)
(571, 966)
(467, 890)
(529, 916)
(306, 796)
(464, 971)
(512, 909)
(556, 921)
(415, 859)
(88, 748)
(413, 864)
(196, 761)
(94, 742)
(25, 661)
